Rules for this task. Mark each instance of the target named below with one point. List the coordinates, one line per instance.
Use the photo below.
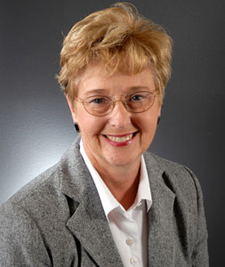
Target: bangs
(129, 58)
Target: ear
(72, 109)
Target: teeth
(119, 139)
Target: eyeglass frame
(113, 103)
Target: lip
(119, 140)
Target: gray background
(35, 123)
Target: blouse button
(133, 260)
(129, 241)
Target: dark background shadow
(35, 123)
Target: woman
(108, 202)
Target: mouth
(120, 138)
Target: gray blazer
(58, 220)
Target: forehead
(97, 79)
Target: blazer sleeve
(21, 243)
(200, 253)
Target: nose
(120, 117)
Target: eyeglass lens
(135, 103)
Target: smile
(120, 139)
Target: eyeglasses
(100, 105)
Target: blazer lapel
(95, 236)
(88, 222)
(161, 250)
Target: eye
(139, 96)
(97, 100)
(136, 98)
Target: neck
(122, 182)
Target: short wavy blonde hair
(122, 40)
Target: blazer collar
(87, 222)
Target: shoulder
(167, 165)
(177, 177)
(174, 169)
(179, 180)
(46, 185)
(43, 182)
(33, 198)
(43, 197)
(21, 238)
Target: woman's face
(119, 138)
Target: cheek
(90, 125)
(149, 130)
(147, 122)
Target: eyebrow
(141, 87)
(106, 91)
(96, 92)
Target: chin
(120, 160)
